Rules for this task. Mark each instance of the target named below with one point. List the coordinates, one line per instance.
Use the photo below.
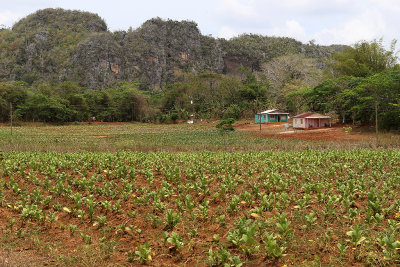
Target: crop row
(208, 208)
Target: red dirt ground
(336, 133)
(22, 258)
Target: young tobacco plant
(271, 246)
(143, 254)
(283, 225)
(222, 257)
(72, 229)
(342, 249)
(310, 219)
(176, 241)
(244, 236)
(356, 235)
(390, 246)
(171, 219)
(234, 204)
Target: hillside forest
(64, 66)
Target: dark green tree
(45, 109)
(365, 59)
(335, 95)
(11, 93)
(226, 125)
(296, 101)
(379, 99)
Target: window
(272, 117)
(301, 121)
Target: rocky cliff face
(43, 42)
(59, 45)
(156, 53)
(171, 48)
(97, 61)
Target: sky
(323, 21)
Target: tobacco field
(297, 208)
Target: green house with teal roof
(272, 115)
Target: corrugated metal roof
(310, 115)
(268, 111)
(303, 115)
(317, 116)
(273, 111)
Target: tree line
(207, 95)
(364, 87)
(360, 84)
(67, 102)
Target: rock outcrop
(58, 45)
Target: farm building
(311, 120)
(272, 115)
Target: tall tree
(296, 100)
(12, 94)
(379, 97)
(288, 73)
(365, 59)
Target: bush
(233, 111)
(164, 118)
(226, 125)
(174, 116)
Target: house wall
(274, 118)
(311, 123)
(267, 118)
(256, 118)
(325, 123)
(316, 123)
(297, 123)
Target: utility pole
(258, 107)
(376, 122)
(11, 118)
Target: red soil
(336, 133)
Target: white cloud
(291, 29)
(312, 3)
(296, 4)
(8, 18)
(367, 26)
(235, 9)
(227, 33)
(315, 7)
(326, 21)
(393, 5)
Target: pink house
(311, 120)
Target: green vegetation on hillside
(366, 59)
(62, 66)
(40, 46)
(54, 45)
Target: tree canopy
(366, 58)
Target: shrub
(233, 111)
(226, 125)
